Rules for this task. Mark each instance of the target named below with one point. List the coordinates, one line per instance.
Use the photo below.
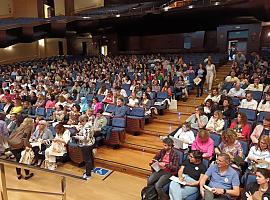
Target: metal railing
(5, 189)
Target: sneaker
(85, 177)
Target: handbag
(27, 156)
(173, 105)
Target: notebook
(176, 179)
(155, 166)
(178, 143)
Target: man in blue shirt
(224, 180)
(121, 109)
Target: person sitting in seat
(256, 86)
(185, 134)
(133, 101)
(232, 78)
(204, 144)
(261, 129)
(198, 120)
(38, 140)
(264, 105)
(121, 109)
(241, 126)
(237, 91)
(99, 122)
(168, 162)
(249, 102)
(259, 189)
(58, 147)
(216, 123)
(231, 146)
(224, 180)
(214, 95)
(190, 173)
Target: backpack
(149, 193)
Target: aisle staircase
(137, 151)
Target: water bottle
(179, 116)
(170, 128)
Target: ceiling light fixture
(190, 6)
(118, 15)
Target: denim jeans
(159, 179)
(178, 192)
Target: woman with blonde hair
(204, 144)
(18, 140)
(229, 144)
(216, 122)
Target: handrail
(4, 193)
(15, 164)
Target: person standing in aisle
(210, 74)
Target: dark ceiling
(144, 22)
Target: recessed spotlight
(217, 3)
(237, 27)
(86, 17)
(118, 15)
(190, 6)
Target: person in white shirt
(249, 102)
(216, 122)
(265, 103)
(237, 91)
(210, 74)
(256, 86)
(185, 134)
(214, 96)
(133, 101)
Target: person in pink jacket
(96, 105)
(204, 144)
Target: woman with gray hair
(38, 140)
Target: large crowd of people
(226, 141)
(49, 103)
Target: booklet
(208, 188)
(176, 179)
(155, 166)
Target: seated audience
(227, 109)
(3, 133)
(204, 144)
(190, 172)
(166, 88)
(256, 86)
(8, 105)
(99, 122)
(241, 126)
(40, 103)
(84, 105)
(259, 189)
(216, 123)
(38, 140)
(237, 91)
(259, 154)
(232, 78)
(109, 98)
(198, 120)
(261, 129)
(230, 145)
(168, 162)
(96, 105)
(214, 96)
(224, 180)
(120, 110)
(50, 103)
(133, 101)
(249, 102)
(58, 146)
(73, 115)
(264, 105)
(185, 134)
(59, 114)
(208, 108)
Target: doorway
(235, 46)
(60, 48)
(104, 50)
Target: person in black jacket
(259, 189)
